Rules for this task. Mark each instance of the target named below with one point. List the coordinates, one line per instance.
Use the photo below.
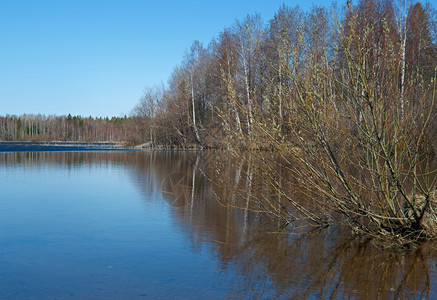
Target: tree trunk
(196, 131)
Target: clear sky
(95, 57)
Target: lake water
(135, 224)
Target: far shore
(33, 146)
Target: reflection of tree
(306, 267)
(263, 261)
(323, 263)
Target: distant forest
(252, 73)
(62, 128)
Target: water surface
(103, 225)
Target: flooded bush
(353, 135)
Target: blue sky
(95, 57)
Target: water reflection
(264, 260)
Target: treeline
(63, 128)
(248, 72)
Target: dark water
(57, 146)
(133, 225)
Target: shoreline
(36, 146)
(65, 146)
